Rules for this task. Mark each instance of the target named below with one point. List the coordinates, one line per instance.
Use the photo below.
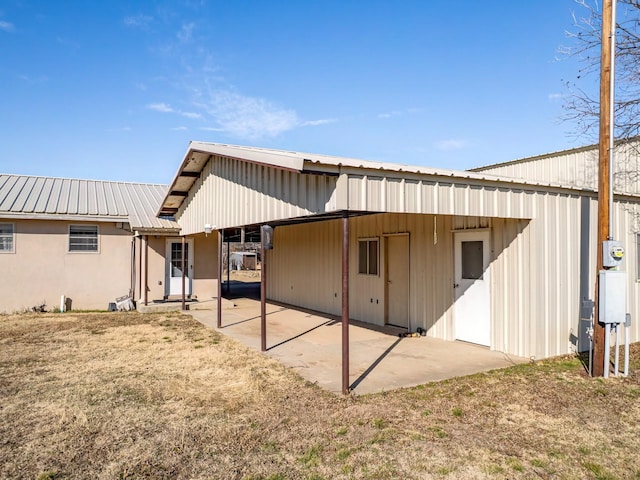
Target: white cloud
(166, 108)
(179, 129)
(451, 144)
(193, 115)
(397, 113)
(321, 121)
(160, 107)
(6, 26)
(137, 21)
(119, 129)
(33, 80)
(554, 97)
(186, 32)
(248, 117)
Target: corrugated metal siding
(627, 228)
(407, 194)
(575, 169)
(537, 282)
(305, 269)
(541, 271)
(28, 196)
(231, 193)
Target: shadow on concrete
(250, 319)
(329, 322)
(374, 364)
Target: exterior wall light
(208, 228)
(267, 237)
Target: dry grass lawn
(127, 396)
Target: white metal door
(472, 294)
(173, 282)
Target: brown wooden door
(397, 280)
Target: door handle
(456, 285)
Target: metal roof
(198, 155)
(32, 197)
(559, 153)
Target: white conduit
(607, 349)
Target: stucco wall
(204, 267)
(41, 269)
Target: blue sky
(116, 89)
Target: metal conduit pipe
(627, 328)
(607, 349)
(617, 358)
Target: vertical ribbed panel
(627, 229)
(305, 269)
(232, 193)
(541, 270)
(305, 266)
(406, 194)
(575, 169)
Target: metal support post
(345, 304)
(146, 269)
(184, 267)
(263, 294)
(219, 306)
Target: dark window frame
(83, 239)
(369, 256)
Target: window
(472, 260)
(368, 256)
(176, 258)
(6, 238)
(83, 238)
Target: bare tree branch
(582, 107)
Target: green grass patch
(379, 423)
(311, 458)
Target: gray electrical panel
(612, 306)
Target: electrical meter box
(612, 253)
(612, 304)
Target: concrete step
(176, 306)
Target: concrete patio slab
(310, 343)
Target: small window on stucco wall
(83, 238)
(6, 238)
(368, 256)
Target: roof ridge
(82, 179)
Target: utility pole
(604, 176)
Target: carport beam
(139, 296)
(263, 294)
(219, 313)
(182, 259)
(146, 269)
(345, 304)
